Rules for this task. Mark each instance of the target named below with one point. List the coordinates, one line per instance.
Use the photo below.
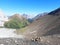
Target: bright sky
(30, 7)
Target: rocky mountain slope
(44, 26)
(45, 29)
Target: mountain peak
(55, 12)
(17, 16)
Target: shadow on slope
(53, 31)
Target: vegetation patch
(21, 31)
(16, 22)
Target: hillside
(44, 26)
(16, 21)
(21, 18)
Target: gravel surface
(17, 41)
(8, 37)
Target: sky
(30, 7)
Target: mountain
(17, 15)
(28, 17)
(25, 15)
(44, 26)
(55, 12)
(16, 21)
(22, 18)
(40, 15)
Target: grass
(21, 31)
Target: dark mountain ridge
(55, 12)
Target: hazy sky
(30, 7)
